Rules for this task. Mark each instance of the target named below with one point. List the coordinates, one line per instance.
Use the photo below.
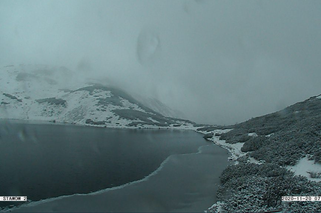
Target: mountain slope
(44, 93)
(283, 137)
(277, 155)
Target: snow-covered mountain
(44, 93)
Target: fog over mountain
(218, 62)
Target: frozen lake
(132, 170)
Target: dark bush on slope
(317, 156)
(53, 101)
(12, 97)
(288, 148)
(264, 170)
(254, 143)
(255, 188)
(236, 135)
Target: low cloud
(216, 61)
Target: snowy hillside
(274, 155)
(56, 94)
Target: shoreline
(50, 122)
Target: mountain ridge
(41, 93)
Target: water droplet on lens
(22, 134)
(148, 47)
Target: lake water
(45, 161)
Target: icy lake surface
(166, 170)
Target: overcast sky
(218, 62)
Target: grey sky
(216, 61)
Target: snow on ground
(252, 134)
(234, 149)
(304, 167)
(216, 207)
(269, 135)
(253, 160)
(130, 105)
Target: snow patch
(129, 105)
(253, 160)
(269, 135)
(234, 149)
(152, 120)
(216, 207)
(304, 167)
(253, 134)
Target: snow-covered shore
(304, 167)
(234, 149)
(119, 126)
